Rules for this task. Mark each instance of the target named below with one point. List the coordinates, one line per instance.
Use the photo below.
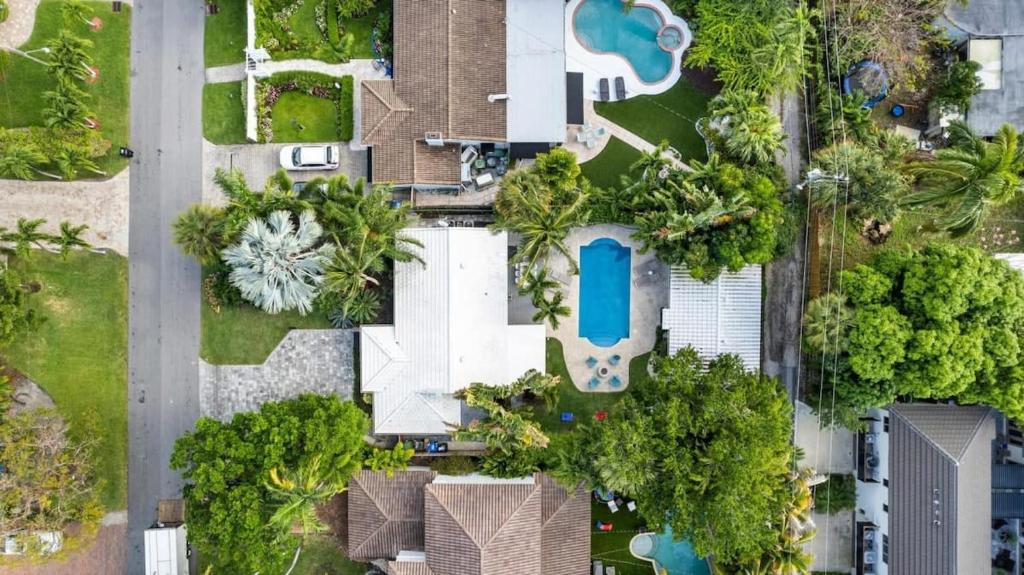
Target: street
(164, 287)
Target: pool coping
(654, 564)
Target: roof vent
(434, 138)
(492, 98)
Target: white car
(315, 157)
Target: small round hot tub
(670, 38)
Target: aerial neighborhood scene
(511, 287)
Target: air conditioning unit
(434, 138)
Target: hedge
(346, 109)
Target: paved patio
(590, 116)
(645, 304)
(306, 361)
(832, 547)
(824, 451)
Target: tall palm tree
(26, 235)
(750, 131)
(352, 268)
(69, 58)
(297, 495)
(70, 238)
(66, 107)
(199, 231)
(826, 322)
(544, 227)
(967, 178)
(538, 284)
(551, 309)
(70, 160)
(22, 162)
(73, 10)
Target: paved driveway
(259, 161)
(306, 361)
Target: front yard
(224, 113)
(224, 39)
(292, 31)
(79, 353)
(26, 80)
(299, 117)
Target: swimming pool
(637, 36)
(677, 557)
(604, 291)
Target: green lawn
(581, 403)
(225, 34)
(20, 102)
(667, 116)
(612, 547)
(224, 113)
(320, 556)
(313, 44)
(362, 27)
(606, 169)
(245, 335)
(299, 117)
(79, 354)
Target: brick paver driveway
(106, 556)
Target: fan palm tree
(22, 162)
(72, 159)
(750, 131)
(277, 265)
(826, 322)
(967, 178)
(551, 309)
(69, 59)
(70, 238)
(199, 231)
(26, 235)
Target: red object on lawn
(601, 526)
(601, 415)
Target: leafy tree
(843, 117)
(278, 265)
(349, 8)
(826, 322)
(15, 315)
(701, 446)
(750, 132)
(48, 481)
(960, 84)
(759, 45)
(969, 177)
(389, 460)
(199, 231)
(859, 177)
(229, 490)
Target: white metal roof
(165, 551)
(535, 70)
(451, 329)
(988, 52)
(723, 316)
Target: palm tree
(69, 59)
(199, 231)
(352, 268)
(244, 203)
(75, 10)
(66, 107)
(826, 322)
(750, 131)
(72, 159)
(70, 238)
(538, 284)
(371, 218)
(297, 495)
(277, 265)
(551, 309)
(25, 236)
(967, 178)
(358, 309)
(21, 161)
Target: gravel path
(101, 205)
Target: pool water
(602, 26)
(677, 557)
(604, 291)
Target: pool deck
(594, 65)
(645, 304)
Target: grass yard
(612, 547)
(323, 556)
(224, 40)
(312, 43)
(607, 168)
(361, 27)
(299, 117)
(20, 102)
(245, 335)
(79, 354)
(667, 116)
(224, 113)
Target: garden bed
(315, 29)
(293, 105)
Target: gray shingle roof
(940, 488)
(988, 17)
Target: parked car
(315, 157)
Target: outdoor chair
(615, 381)
(581, 137)
(615, 359)
(620, 88)
(602, 89)
(599, 132)
(593, 383)
(591, 362)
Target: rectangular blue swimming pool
(604, 292)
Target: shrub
(837, 494)
(960, 84)
(333, 26)
(346, 115)
(4, 10)
(453, 465)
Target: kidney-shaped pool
(604, 292)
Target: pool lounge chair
(620, 88)
(593, 383)
(602, 90)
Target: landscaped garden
(224, 113)
(329, 30)
(224, 38)
(607, 168)
(78, 354)
(305, 107)
(71, 90)
(612, 547)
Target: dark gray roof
(988, 17)
(940, 478)
(1007, 476)
(1008, 506)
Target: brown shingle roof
(565, 538)
(408, 568)
(449, 56)
(483, 529)
(385, 514)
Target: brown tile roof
(483, 529)
(385, 514)
(449, 56)
(437, 164)
(408, 568)
(565, 538)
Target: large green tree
(229, 490)
(704, 447)
(860, 178)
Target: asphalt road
(164, 287)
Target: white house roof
(535, 70)
(451, 329)
(723, 316)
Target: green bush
(346, 113)
(333, 32)
(960, 84)
(837, 494)
(453, 465)
(4, 10)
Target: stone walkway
(590, 116)
(259, 161)
(306, 361)
(16, 30)
(101, 205)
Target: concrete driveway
(259, 161)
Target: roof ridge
(448, 510)
(380, 510)
(970, 436)
(392, 109)
(535, 493)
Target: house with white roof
(723, 316)
(451, 329)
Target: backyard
(224, 39)
(612, 547)
(27, 79)
(607, 168)
(667, 116)
(223, 113)
(79, 353)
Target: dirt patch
(702, 79)
(58, 305)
